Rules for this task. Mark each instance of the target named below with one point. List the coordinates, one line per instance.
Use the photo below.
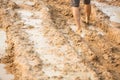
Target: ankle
(87, 19)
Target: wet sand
(3, 44)
(4, 75)
(43, 45)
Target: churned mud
(38, 41)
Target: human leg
(87, 10)
(76, 13)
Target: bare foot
(79, 30)
(87, 20)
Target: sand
(42, 43)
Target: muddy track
(90, 56)
(17, 41)
(100, 45)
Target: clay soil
(92, 55)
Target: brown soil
(100, 54)
(111, 2)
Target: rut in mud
(42, 44)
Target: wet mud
(42, 44)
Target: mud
(112, 11)
(3, 45)
(42, 44)
(4, 75)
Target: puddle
(3, 45)
(112, 11)
(4, 75)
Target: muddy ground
(42, 44)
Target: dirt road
(42, 44)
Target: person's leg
(87, 10)
(76, 13)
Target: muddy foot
(79, 31)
